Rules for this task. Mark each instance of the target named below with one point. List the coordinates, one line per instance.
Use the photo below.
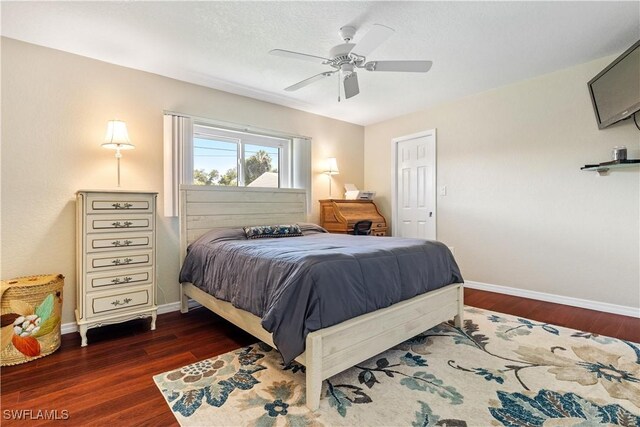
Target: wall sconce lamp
(332, 169)
(117, 138)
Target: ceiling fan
(345, 58)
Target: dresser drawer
(105, 223)
(111, 241)
(102, 281)
(106, 260)
(105, 203)
(119, 301)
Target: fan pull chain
(339, 73)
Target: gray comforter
(301, 284)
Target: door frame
(394, 177)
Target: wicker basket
(30, 309)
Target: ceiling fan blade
(308, 81)
(374, 38)
(404, 66)
(298, 55)
(351, 87)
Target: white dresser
(116, 250)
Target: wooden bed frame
(330, 350)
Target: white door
(415, 186)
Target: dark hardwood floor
(597, 322)
(110, 381)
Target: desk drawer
(119, 301)
(105, 223)
(109, 280)
(111, 241)
(105, 203)
(121, 259)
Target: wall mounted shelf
(604, 167)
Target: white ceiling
(475, 46)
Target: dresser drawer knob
(122, 206)
(119, 224)
(117, 280)
(118, 261)
(119, 243)
(124, 302)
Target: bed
(336, 343)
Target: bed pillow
(261, 231)
(309, 228)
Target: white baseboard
(558, 299)
(68, 328)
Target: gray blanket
(301, 284)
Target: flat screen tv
(615, 91)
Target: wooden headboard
(204, 208)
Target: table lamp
(331, 170)
(117, 138)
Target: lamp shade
(332, 166)
(117, 136)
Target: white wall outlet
(443, 190)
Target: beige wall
(55, 107)
(519, 211)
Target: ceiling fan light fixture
(346, 69)
(346, 57)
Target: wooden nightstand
(116, 257)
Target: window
(202, 152)
(231, 158)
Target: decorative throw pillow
(260, 231)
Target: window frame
(178, 155)
(242, 139)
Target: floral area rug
(497, 370)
